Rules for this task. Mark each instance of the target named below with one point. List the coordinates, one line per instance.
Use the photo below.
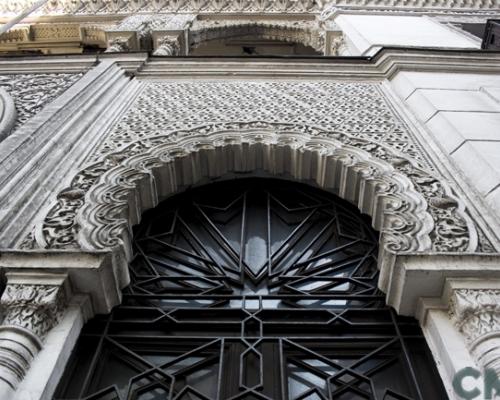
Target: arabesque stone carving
(357, 108)
(91, 213)
(31, 92)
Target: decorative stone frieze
(55, 38)
(230, 6)
(32, 304)
(476, 314)
(359, 109)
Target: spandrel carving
(358, 109)
(31, 92)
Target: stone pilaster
(476, 314)
(32, 305)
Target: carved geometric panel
(359, 109)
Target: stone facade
(402, 126)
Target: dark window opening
(252, 289)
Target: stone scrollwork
(108, 196)
(476, 312)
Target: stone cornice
(383, 64)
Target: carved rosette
(476, 314)
(36, 308)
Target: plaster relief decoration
(305, 32)
(476, 313)
(55, 7)
(31, 92)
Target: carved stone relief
(358, 109)
(230, 6)
(61, 229)
(167, 46)
(305, 32)
(356, 114)
(34, 307)
(31, 307)
(135, 32)
(476, 314)
(31, 92)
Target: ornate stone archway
(412, 208)
(307, 33)
(85, 237)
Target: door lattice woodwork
(252, 289)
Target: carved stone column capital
(31, 304)
(35, 307)
(476, 314)
(118, 45)
(167, 46)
